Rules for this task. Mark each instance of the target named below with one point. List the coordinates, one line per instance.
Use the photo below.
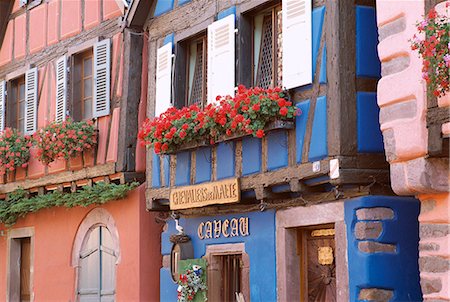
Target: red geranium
(248, 112)
(14, 150)
(434, 49)
(64, 140)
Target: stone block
(368, 230)
(434, 230)
(430, 286)
(429, 247)
(375, 294)
(376, 247)
(378, 213)
(434, 264)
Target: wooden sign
(219, 192)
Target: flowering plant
(64, 140)
(14, 150)
(190, 283)
(248, 112)
(435, 51)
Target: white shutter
(163, 79)
(297, 46)
(2, 104)
(221, 60)
(102, 77)
(31, 95)
(61, 89)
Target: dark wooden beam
(129, 107)
(340, 31)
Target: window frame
(78, 98)
(213, 256)
(12, 100)
(274, 7)
(181, 73)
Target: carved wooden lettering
(220, 192)
(223, 228)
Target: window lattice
(197, 83)
(265, 73)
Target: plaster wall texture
(405, 135)
(55, 229)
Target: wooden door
(316, 247)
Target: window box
(274, 125)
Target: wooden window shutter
(163, 79)
(2, 104)
(102, 78)
(221, 58)
(61, 89)
(297, 47)
(31, 95)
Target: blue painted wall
(367, 61)
(183, 169)
(397, 271)
(259, 245)
(300, 128)
(318, 148)
(166, 166)
(156, 175)
(251, 155)
(370, 138)
(163, 6)
(225, 160)
(318, 15)
(226, 12)
(277, 150)
(203, 165)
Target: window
(267, 48)
(83, 86)
(90, 82)
(19, 107)
(20, 265)
(228, 272)
(15, 107)
(196, 71)
(97, 266)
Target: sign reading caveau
(219, 192)
(227, 228)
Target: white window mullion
(102, 78)
(221, 58)
(31, 95)
(61, 89)
(297, 43)
(163, 79)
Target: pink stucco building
(417, 168)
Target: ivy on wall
(18, 204)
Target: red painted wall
(55, 230)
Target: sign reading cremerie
(219, 192)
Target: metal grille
(197, 82)
(231, 277)
(265, 71)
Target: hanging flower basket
(435, 51)
(14, 150)
(64, 140)
(250, 112)
(190, 283)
